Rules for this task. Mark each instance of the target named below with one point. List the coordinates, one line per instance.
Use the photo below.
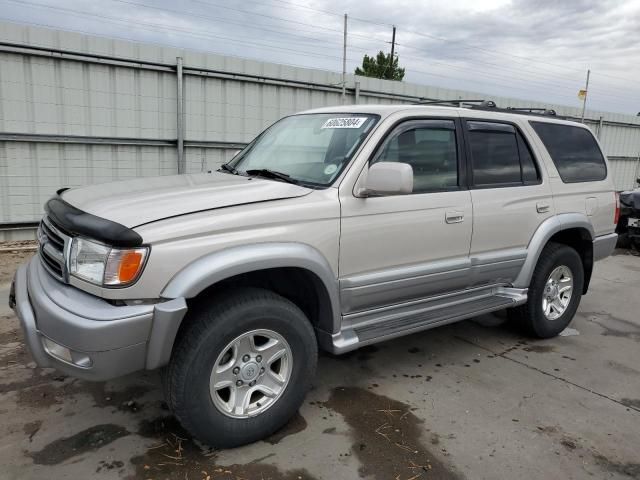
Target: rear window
(574, 152)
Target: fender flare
(217, 266)
(544, 232)
(214, 267)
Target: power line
(528, 60)
(513, 73)
(283, 19)
(440, 62)
(367, 38)
(227, 21)
(496, 84)
(189, 32)
(186, 32)
(206, 35)
(326, 12)
(188, 13)
(146, 42)
(442, 39)
(536, 74)
(493, 65)
(545, 85)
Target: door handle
(542, 207)
(454, 217)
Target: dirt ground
(473, 400)
(9, 261)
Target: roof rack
(538, 111)
(459, 103)
(489, 105)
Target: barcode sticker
(344, 122)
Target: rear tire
(558, 267)
(222, 344)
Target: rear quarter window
(574, 152)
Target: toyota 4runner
(335, 228)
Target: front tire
(241, 367)
(554, 293)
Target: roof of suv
(488, 113)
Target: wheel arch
(255, 265)
(572, 229)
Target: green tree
(381, 66)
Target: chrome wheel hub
(557, 292)
(250, 374)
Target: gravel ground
(472, 400)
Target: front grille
(53, 237)
(56, 268)
(53, 247)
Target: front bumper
(105, 341)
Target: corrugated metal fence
(77, 109)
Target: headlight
(103, 265)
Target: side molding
(545, 231)
(217, 266)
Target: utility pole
(344, 62)
(586, 92)
(393, 47)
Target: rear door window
(499, 155)
(573, 150)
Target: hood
(142, 200)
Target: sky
(528, 49)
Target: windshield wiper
(267, 173)
(228, 168)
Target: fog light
(64, 354)
(58, 351)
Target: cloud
(530, 49)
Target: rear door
(510, 197)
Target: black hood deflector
(76, 222)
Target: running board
(364, 328)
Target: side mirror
(388, 178)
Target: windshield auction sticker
(344, 122)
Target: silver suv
(335, 228)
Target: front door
(399, 248)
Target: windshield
(309, 149)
